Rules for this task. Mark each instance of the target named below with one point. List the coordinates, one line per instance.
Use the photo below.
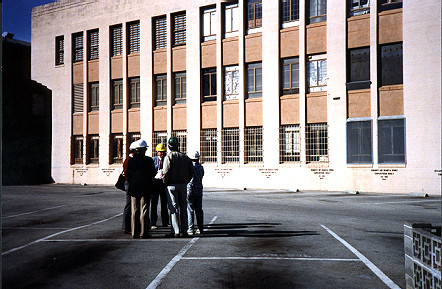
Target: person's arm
(166, 168)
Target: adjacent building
(293, 94)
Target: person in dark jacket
(127, 212)
(140, 171)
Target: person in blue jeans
(195, 197)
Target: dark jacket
(140, 171)
(177, 168)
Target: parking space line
(364, 259)
(33, 212)
(273, 258)
(401, 202)
(154, 284)
(59, 233)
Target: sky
(16, 18)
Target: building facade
(292, 94)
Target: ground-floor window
(359, 140)
(209, 144)
(253, 144)
(289, 143)
(316, 138)
(230, 145)
(77, 149)
(157, 138)
(391, 140)
(93, 149)
(117, 148)
(182, 137)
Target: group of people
(173, 178)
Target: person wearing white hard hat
(140, 171)
(127, 212)
(195, 197)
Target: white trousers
(177, 201)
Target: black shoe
(171, 235)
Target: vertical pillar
(302, 79)
(242, 78)
(219, 80)
(104, 99)
(374, 77)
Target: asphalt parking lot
(68, 236)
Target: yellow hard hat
(160, 148)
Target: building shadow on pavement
(250, 230)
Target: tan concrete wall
(209, 115)
(117, 121)
(390, 26)
(93, 121)
(208, 54)
(230, 51)
(316, 38)
(93, 72)
(133, 65)
(77, 73)
(253, 47)
(254, 112)
(116, 67)
(358, 29)
(289, 42)
(391, 100)
(290, 109)
(77, 124)
(230, 114)
(358, 103)
(133, 122)
(179, 59)
(160, 61)
(160, 119)
(316, 108)
(179, 117)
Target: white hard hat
(141, 144)
(133, 146)
(195, 155)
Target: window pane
(312, 73)
(213, 83)
(206, 84)
(286, 76)
(235, 18)
(295, 75)
(250, 80)
(258, 79)
(206, 24)
(391, 64)
(359, 64)
(359, 142)
(391, 141)
(322, 72)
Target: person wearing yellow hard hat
(159, 191)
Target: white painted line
(272, 258)
(33, 212)
(364, 259)
(403, 202)
(59, 233)
(153, 239)
(154, 284)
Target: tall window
(134, 92)
(157, 138)
(359, 70)
(230, 145)
(77, 91)
(180, 87)
(254, 80)
(290, 76)
(160, 32)
(359, 140)
(161, 89)
(289, 143)
(117, 40)
(131, 137)
(182, 138)
(93, 38)
(117, 148)
(77, 47)
(389, 4)
(231, 82)
(93, 149)
(391, 141)
(179, 29)
(316, 139)
(209, 84)
(391, 64)
(209, 142)
(317, 73)
(231, 20)
(358, 7)
(117, 94)
(133, 37)
(59, 50)
(290, 10)
(77, 149)
(209, 24)
(94, 96)
(253, 144)
(254, 13)
(317, 10)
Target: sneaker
(197, 232)
(190, 233)
(153, 227)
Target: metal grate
(77, 46)
(117, 40)
(77, 91)
(209, 145)
(117, 148)
(289, 143)
(93, 148)
(230, 145)
(59, 50)
(179, 31)
(253, 144)
(134, 37)
(77, 149)
(316, 139)
(182, 137)
(93, 44)
(160, 33)
(157, 138)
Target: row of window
(391, 143)
(391, 73)
(316, 12)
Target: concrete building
(294, 94)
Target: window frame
(160, 96)
(317, 87)
(211, 34)
(59, 50)
(289, 137)
(181, 135)
(355, 82)
(209, 145)
(77, 98)
(385, 5)
(254, 70)
(356, 152)
(254, 20)
(134, 100)
(93, 44)
(230, 82)
(230, 145)
(316, 17)
(93, 149)
(231, 20)
(293, 12)
(179, 29)
(253, 144)
(315, 146)
(359, 10)
(133, 37)
(160, 32)
(398, 67)
(290, 62)
(77, 47)
(210, 74)
(179, 81)
(94, 96)
(117, 94)
(117, 40)
(77, 149)
(392, 139)
(117, 145)
(157, 138)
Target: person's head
(133, 147)
(195, 156)
(141, 146)
(161, 150)
(173, 143)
